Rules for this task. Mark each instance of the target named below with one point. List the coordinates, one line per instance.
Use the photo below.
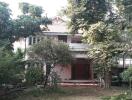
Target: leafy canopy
(11, 67)
(51, 52)
(82, 13)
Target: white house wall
(64, 72)
(20, 44)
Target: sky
(51, 7)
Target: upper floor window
(30, 41)
(76, 40)
(38, 39)
(62, 38)
(33, 40)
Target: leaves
(34, 75)
(24, 7)
(84, 13)
(51, 52)
(33, 10)
(11, 67)
(127, 74)
(5, 13)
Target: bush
(55, 79)
(34, 75)
(127, 76)
(11, 68)
(125, 96)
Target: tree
(127, 76)
(101, 29)
(30, 21)
(11, 63)
(88, 16)
(35, 12)
(124, 9)
(105, 48)
(11, 67)
(82, 13)
(49, 52)
(34, 75)
(5, 25)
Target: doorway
(81, 69)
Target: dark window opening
(38, 40)
(30, 41)
(62, 38)
(34, 40)
(76, 39)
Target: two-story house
(81, 66)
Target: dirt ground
(77, 93)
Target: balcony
(78, 46)
(127, 62)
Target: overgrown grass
(67, 93)
(123, 96)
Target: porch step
(79, 83)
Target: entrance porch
(81, 69)
(79, 83)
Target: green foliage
(5, 13)
(102, 32)
(127, 74)
(85, 12)
(29, 22)
(55, 79)
(103, 29)
(63, 54)
(5, 25)
(125, 96)
(11, 64)
(33, 10)
(26, 25)
(24, 7)
(127, 9)
(95, 33)
(23, 26)
(34, 75)
(11, 67)
(51, 52)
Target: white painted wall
(20, 44)
(64, 72)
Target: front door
(81, 70)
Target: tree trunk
(123, 60)
(48, 70)
(130, 85)
(107, 79)
(25, 48)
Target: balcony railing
(78, 46)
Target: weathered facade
(81, 66)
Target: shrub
(127, 76)
(124, 96)
(34, 75)
(55, 79)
